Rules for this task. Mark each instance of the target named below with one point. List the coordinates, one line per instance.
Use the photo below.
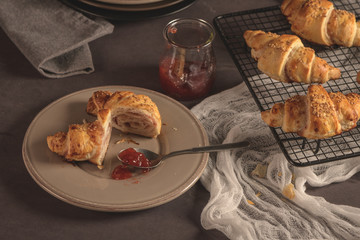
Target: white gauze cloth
(248, 204)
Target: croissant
(284, 58)
(131, 113)
(317, 21)
(317, 115)
(88, 141)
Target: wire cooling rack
(266, 92)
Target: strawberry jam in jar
(187, 66)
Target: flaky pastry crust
(317, 115)
(131, 113)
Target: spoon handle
(211, 148)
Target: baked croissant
(131, 113)
(317, 21)
(317, 115)
(88, 141)
(284, 58)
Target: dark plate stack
(125, 10)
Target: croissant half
(131, 113)
(317, 21)
(317, 115)
(88, 141)
(284, 58)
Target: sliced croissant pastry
(317, 115)
(284, 58)
(317, 21)
(88, 141)
(131, 113)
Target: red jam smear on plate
(121, 172)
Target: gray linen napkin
(52, 36)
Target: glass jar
(187, 66)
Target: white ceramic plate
(86, 186)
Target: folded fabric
(254, 192)
(52, 36)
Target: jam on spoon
(133, 158)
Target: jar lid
(189, 33)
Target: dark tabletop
(128, 56)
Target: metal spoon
(156, 159)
